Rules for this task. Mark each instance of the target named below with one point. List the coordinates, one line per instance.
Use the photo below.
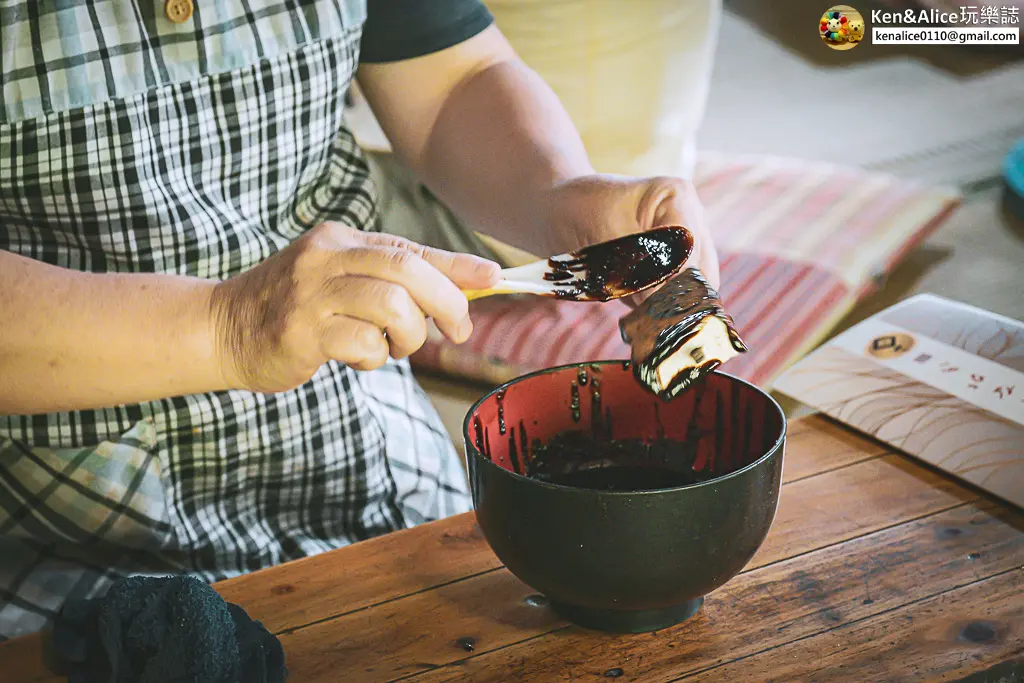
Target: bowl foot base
(627, 621)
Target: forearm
(501, 140)
(71, 340)
(483, 131)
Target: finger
(673, 202)
(356, 343)
(432, 291)
(678, 204)
(385, 305)
(467, 271)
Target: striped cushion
(853, 222)
(800, 243)
(774, 302)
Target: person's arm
(483, 130)
(485, 133)
(71, 340)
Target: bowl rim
(473, 452)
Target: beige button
(179, 11)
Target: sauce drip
(514, 452)
(478, 433)
(500, 400)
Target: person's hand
(340, 294)
(597, 208)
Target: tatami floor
(940, 114)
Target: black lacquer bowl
(626, 561)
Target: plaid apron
(130, 143)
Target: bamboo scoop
(600, 272)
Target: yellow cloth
(634, 75)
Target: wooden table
(876, 569)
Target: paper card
(934, 378)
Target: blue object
(1013, 175)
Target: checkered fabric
(56, 56)
(113, 160)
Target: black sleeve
(402, 29)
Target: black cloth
(402, 29)
(175, 629)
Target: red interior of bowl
(731, 422)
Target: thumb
(677, 203)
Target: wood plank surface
(421, 631)
(363, 574)
(389, 641)
(756, 611)
(22, 661)
(383, 644)
(940, 638)
(822, 444)
(413, 560)
(859, 534)
(848, 502)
